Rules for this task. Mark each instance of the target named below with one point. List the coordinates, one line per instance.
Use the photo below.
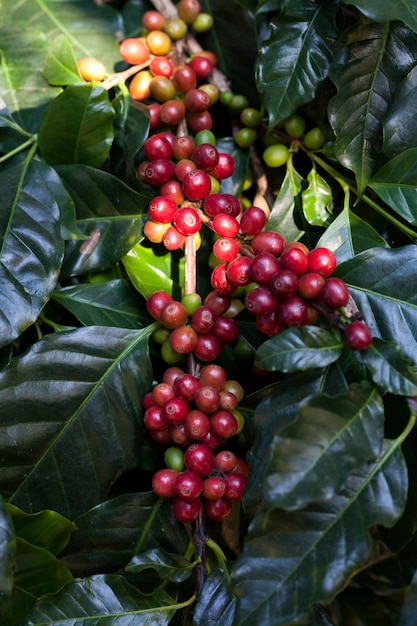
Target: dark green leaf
(103, 600)
(381, 55)
(400, 123)
(109, 213)
(293, 560)
(61, 64)
(109, 534)
(311, 457)
(31, 246)
(168, 565)
(77, 126)
(79, 393)
(389, 368)
(348, 235)
(396, 184)
(216, 603)
(386, 12)
(379, 280)
(110, 303)
(294, 61)
(150, 270)
(409, 607)
(7, 553)
(45, 529)
(299, 348)
(38, 571)
(11, 134)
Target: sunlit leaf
(77, 126)
(283, 213)
(61, 64)
(311, 457)
(316, 199)
(72, 412)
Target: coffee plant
(208, 371)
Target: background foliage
(326, 532)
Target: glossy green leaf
(404, 10)
(79, 393)
(283, 213)
(38, 571)
(292, 560)
(311, 457)
(7, 553)
(299, 348)
(234, 183)
(109, 213)
(61, 64)
(379, 280)
(150, 269)
(294, 60)
(317, 199)
(26, 34)
(389, 369)
(381, 54)
(45, 529)
(400, 123)
(103, 599)
(113, 531)
(31, 246)
(396, 184)
(77, 126)
(12, 135)
(349, 235)
(169, 566)
(111, 303)
(216, 603)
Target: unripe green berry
(314, 139)
(191, 302)
(238, 103)
(276, 155)
(175, 28)
(205, 136)
(251, 117)
(226, 97)
(245, 137)
(169, 355)
(174, 458)
(295, 125)
(202, 23)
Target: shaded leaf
(45, 529)
(294, 61)
(72, 417)
(400, 123)
(292, 560)
(7, 553)
(168, 565)
(109, 213)
(311, 457)
(110, 533)
(61, 65)
(216, 603)
(300, 348)
(150, 270)
(77, 126)
(395, 10)
(396, 184)
(316, 199)
(389, 368)
(111, 303)
(379, 280)
(409, 607)
(103, 598)
(381, 54)
(234, 183)
(31, 246)
(349, 235)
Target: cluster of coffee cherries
(191, 326)
(195, 416)
(185, 172)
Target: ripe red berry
(155, 419)
(197, 424)
(322, 261)
(175, 410)
(185, 386)
(334, 293)
(214, 487)
(223, 424)
(185, 511)
(207, 398)
(357, 336)
(268, 241)
(220, 281)
(199, 458)
(238, 271)
(260, 301)
(187, 221)
(292, 312)
(252, 221)
(263, 267)
(162, 209)
(294, 258)
(196, 185)
(197, 100)
(183, 339)
(217, 510)
(203, 319)
(156, 302)
(205, 156)
(161, 393)
(173, 314)
(225, 166)
(309, 285)
(284, 283)
(188, 485)
(173, 239)
(207, 347)
(217, 301)
(159, 172)
(226, 329)
(163, 482)
(213, 375)
(202, 66)
(217, 203)
(225, 249)
(235, 486)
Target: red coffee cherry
(334, 293)
(217, 510)
(187, 221)
(185, 511)
(163, 482)
(199, 458)
(188, 485)
(173, 315)
(162, 209)
(214, 487)
(357, 336)
(322, 261)
(156, 302)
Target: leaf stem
(26, 144)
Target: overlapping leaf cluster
(329, 441)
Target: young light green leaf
(292, 560)
(316, 199)
(282, 216)
(311, 457)
(389, 368)
(300, 348)
(61, 64)
(77, 126)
